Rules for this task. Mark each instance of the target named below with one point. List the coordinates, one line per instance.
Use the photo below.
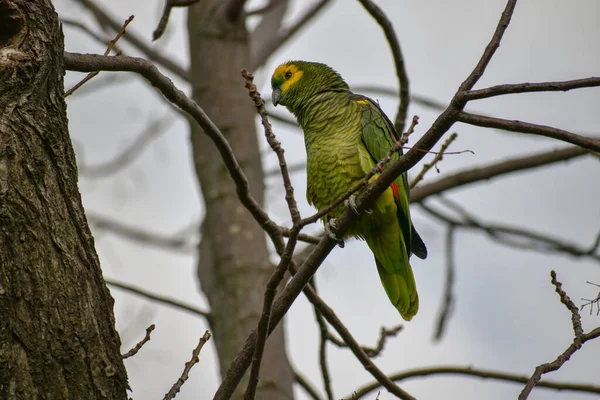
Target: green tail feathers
(399, 284)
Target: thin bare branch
(578, 340)
(106, 20)
(260, 56)
(372, 352)
(438, 157)
(484, 172)
(349, 340)
(111, 45)
(323, 337)
(164, 18)
(275, 145)
(475, 373)
(158, 298)
(592, 302)
(308, 388)
(526, 127)
(139, 346)
(167, 242)
(154, 130)
(502, 90)
(83, 27)
(414, 98)
(188, 367)
(540, 242)
(392, 39)
(448, 302)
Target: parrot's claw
(351, 204)
(327, 227)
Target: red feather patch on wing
(394, 187)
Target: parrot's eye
(288, 75)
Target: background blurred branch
(578, 340)
(476, 373)
(392, 39)
(157, 298)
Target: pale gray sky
(507, 315)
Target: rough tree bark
(234, 261)
(57, 328)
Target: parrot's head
(296, 83)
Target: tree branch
(188, 367)
(578, 340)
(448, 302)
(260, 56)
(484, 172)
(563, 86)
(392, 39)
(138, 346)
(104, 19)
(168, 242)
(164, 18)
(304, 384)
(157, 298)
(526, 127)
(497, 232)
(476, 373)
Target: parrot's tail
(399, 284)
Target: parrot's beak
(276, 96)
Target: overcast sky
(507, 316)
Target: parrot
(345, 136)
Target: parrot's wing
(378, 135)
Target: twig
(502, 90)
(348, 339)
(164, 18)
(372, 352)
(484, 172)
(526, 127)
(262, 330)
(129, 154)
(111, 45)
(168, 242)
(591, 302)
(323, 337)
(188, 367)
(476, 373)
(77, 24)
(414, 98)
(439, 156)
(269, 47)
(158, 298)
(499, 232)
(448, 302)
(392, 39)
(363, 182)
(138, 346)
(275, 145)
(106, 20)
(578, 340)
(304, 384)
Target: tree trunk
(57, 328)
(234, 261)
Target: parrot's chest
(332, 168)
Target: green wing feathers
(395, 238)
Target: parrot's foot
(351, 204)
(327, 227)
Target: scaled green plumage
(346, 134)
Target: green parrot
(346, 134)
